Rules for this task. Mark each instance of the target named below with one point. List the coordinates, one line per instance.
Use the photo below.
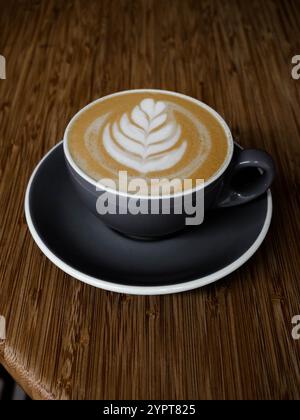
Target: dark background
(9, 390)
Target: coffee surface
(149, 135)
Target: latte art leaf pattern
(154, 137)
(148, 140)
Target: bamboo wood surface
(66, 340)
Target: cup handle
(237, 191)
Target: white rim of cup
(98, 185)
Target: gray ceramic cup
(245, 175)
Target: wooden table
(66, 340)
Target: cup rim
(99, 186)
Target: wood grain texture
(66, 340)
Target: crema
(149, 134)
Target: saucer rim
(140, 290)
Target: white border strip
(141, 290)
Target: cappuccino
(149, 134)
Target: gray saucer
(73, 239)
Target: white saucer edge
(141, 290)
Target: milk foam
(144, 142)
(147, 139)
